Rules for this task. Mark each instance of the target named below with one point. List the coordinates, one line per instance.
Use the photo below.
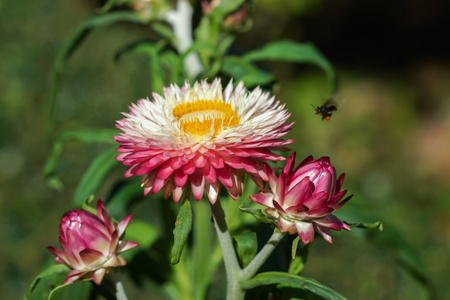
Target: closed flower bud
(303, 200)
(91, 243)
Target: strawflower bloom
(303, 199)
(91, 243)
(202, 136)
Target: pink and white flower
(91, 244)
(203, 137)
(303, 199)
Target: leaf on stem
(52, 270)
(183, 225)
(246, 247)
(294, 281)
(299, 256)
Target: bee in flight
(326, 109)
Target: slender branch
(232, 268)
(120, 290)
(181, 21)
(262, 256)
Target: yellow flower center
(202, 118)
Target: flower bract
(303, 199)
(202, 136)
(91, 244)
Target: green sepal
(258, 214)
(183, 226)
(246, 247)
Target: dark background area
(390, 135)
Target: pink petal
(324, 232)
(178, 192)
(123, 225)
(299, 192)
(180, 178)
(98, 275)
(209, 172)
(225, 177)
(91, 257)
(73, 276)
(126, 245)
(316, 200)
(189, 167)
(264, 198)
(288, 167)
(200, 161)
(197, 185)
(212, 191)
(305, 231)
(284, 225)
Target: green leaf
(299, 256)
(183, 225)
(289, 51)
(240, 69)
(71, 43)
(257, 213)
(247, 246)
(292, 281)
(83, 135)
(112, 3)
(52, 270)
(372, 225)
(100, 168)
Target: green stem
(232, 268)
(262, 256)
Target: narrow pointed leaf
(373, 225)
(94, 177)
(71, 43)
(290, 51)
(83, 135)
(183, 225)
(299, 256)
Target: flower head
(91, 243)
(303, 199)
(203, 137)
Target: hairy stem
(232, 268)
(262, 256)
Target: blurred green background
(391, 134)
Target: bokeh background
(391, 134)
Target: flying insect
(326, 109)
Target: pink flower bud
(303, 199)
(91, 243)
